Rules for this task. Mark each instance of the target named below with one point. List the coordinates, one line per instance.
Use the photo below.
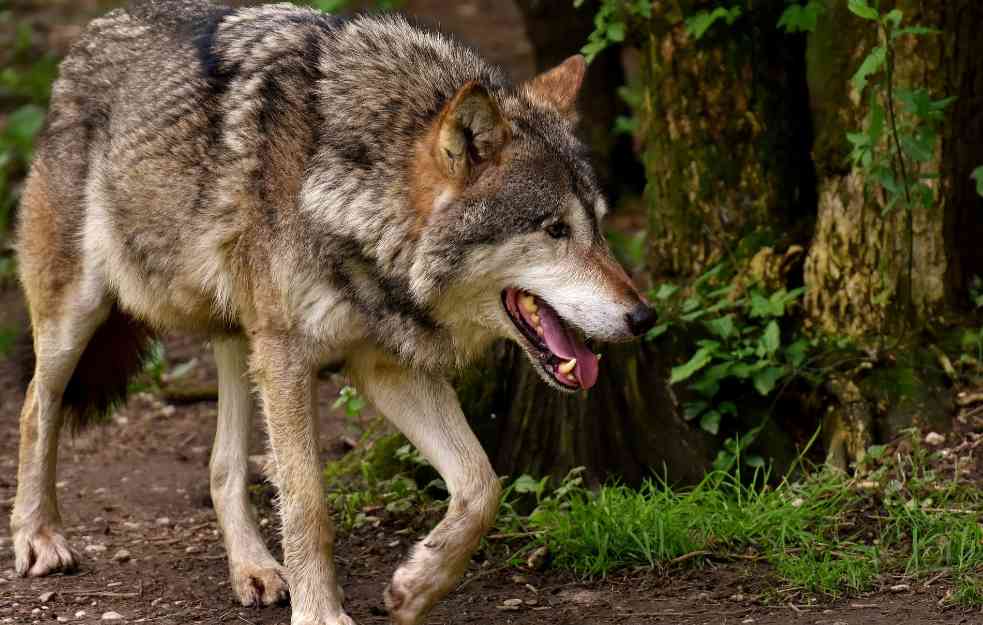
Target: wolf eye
(558, 230)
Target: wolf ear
(472, 131)
(559, 86)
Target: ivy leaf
(693, 409)
(711, 421)
(894, 16)
(766, 379)
(796, 352)
(871, 65)
(798, 18)
(771, 339)
(616, 32)
(862, 9)
(722, 326)
(698, 24)
(699, 360)
(656, 332)
(665, 291)
(977, 175)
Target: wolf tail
(115, 353)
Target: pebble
(95, 548)
(193, 549)
(934, 438)
(163, 521)
(748, 620)
(112, 616)
(130, 525)
(80, 614)
(900, 588)
(61, 619)
(122, 556)
(46, 596)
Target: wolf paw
(255, 584)
(42, 552)
(339, 619)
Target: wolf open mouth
(561, 352)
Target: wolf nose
(641, 319)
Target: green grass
(826, 534)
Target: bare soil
(140, 483)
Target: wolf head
(510, 202)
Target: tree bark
(727, 134)
(857, 271)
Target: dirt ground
(140, 484)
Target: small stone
(163, 521)
(80, 614)
(748, 620)
(130, 525)
(112, 616)
(122, 556)
(36, 611)
(512, 602)
(797, 502)
(737, 597)
(46, 596)
(934, 438)
(95, 548)
(61, 619)
(193, 549)
(900, 588)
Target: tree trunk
(859, 264)
(557, 30)
(727, 135)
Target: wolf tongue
(564, 344)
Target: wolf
(305, 189)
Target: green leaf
(977, 175)
(766, 379)
(862, 9)
(616, 32)
(693, 409)
(894, 16)
(799, 18)
(722, 326)
(656, 332)
(796, 352)
(526, 484)
(772, 338)
(665, 291)
(698, 24)
(727, 407)
(916, 31)
(871, 65)
(699, 360)
(711, 421)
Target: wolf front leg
(287, 388)
(426, 410)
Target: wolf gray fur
(304, 188)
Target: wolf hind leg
(59, 343)
(427, 411)
(255, 575)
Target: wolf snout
(641, 319)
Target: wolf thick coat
(305, 189)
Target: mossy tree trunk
(726, 141)
(859, 263)
(727, 135)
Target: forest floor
(140, 484)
